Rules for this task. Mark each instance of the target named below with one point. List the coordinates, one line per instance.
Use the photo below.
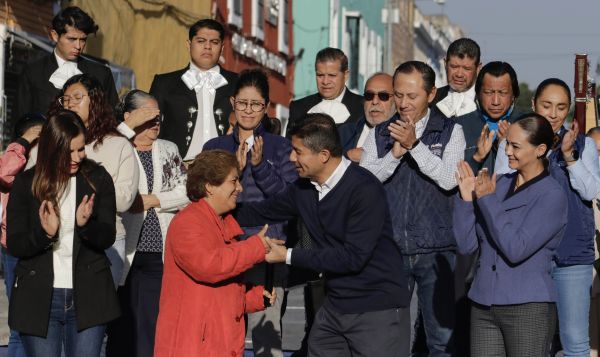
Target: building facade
(353, 26)
(260, 34)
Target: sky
(539, 38)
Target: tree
(523, 103)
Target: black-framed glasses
(241, 105)
(75, 99)
(383, 96)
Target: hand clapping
(84, 210)
(403, 132)
(471, 187)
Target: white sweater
(62, 250)
(117, 156)
(169, 187)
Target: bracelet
(414, 145)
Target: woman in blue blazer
(517, 221)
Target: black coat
(175, 99)
(472, 124)
(94, 291)
(350, 133)
(299, 108)
(35, 92)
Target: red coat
(202, 300)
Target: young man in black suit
(333, 97)
(194, 101)
(42, 79)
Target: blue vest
(577, 246)
(421, 211)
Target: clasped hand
(405, 136)
(275, 250)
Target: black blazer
(175, 99)
(350, 133)
(94, 291)
(299, 108)
(441, 93)
(35, 93)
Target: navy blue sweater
(352, 233)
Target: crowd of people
(173, 222)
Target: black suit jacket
(95, 296)
(472, 124)
(299, 108)
(441, 93)
(350, 133)
(175, 99)
(35, 92)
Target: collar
(195, 68)
(258, 131)
(60, 61)
(506, 115)
(338, 98)
(469, 93)
(335, 177)
(511, 189)
(422, 124)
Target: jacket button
(32, 272)
(237, 319)
(494, 267)
(233, 353)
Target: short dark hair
(538, 129)
(330, 54)
(417, 66)
(319, 132)
(74, 17)
(254, 77)
(27, 121)
(209, 24)
(594, 130)
(464, 47)
(498, 69)
(548, 82)
(210, 167)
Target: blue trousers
(434, 275)
(62, 332)
(574, 285)
(15, 346)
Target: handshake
(275, 250)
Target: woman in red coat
(203, 299)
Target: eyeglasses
(383, 96)
(241, 105)
(74, 99)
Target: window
(282, 28)
(352, 36)
(258, 19)
(235, 12)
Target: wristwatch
(414, 145)
(574, 156)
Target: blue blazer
(517, 237)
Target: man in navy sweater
(345, 211)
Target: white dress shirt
(65, 70)
(440, 170)
(205, 128)
(324, 189)
(62, 250)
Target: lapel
(50, 65)
(80, 191)
(156, 168)
(518, 200)
(180, 87)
